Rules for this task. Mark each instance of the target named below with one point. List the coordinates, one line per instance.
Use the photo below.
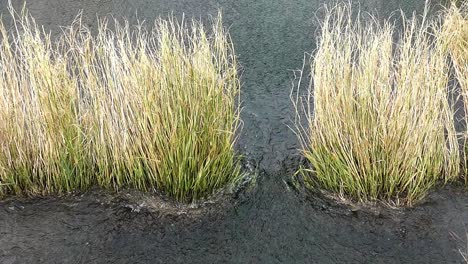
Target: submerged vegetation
(379, 125)
(121, 108)
(454, 38)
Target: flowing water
(269, 223)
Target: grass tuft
(121, 108)
(453, 36)
(379, 126)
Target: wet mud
(267, 223)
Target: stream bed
(267, 223)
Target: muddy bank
(269, 224)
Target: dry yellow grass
(124, 108)
(377, 111)
(453, 36)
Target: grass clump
(453, 36)
(121, 108)
(377, 112)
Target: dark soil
(270, 223)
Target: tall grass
(453, 36)
(121, 108)
(379, 126)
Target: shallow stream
(268, 224)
